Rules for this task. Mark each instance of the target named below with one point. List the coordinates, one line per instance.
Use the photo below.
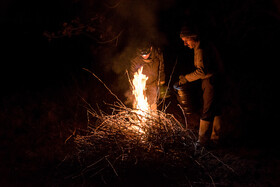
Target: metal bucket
(188, 97)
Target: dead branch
(105, 86)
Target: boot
(205, 128)
(204, 134)
(216, 130)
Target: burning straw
(128, 137)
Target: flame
(140, 104)
(139, 87)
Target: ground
(36, 151)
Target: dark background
(42, 80)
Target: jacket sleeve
(200, 72)
(133, 68)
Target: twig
(73, 134)
(115, 38)
(105, 86)
(206, 172)
(87, 103)
(185, 117)
(128, 78)
(66, 157)
(169, 82)
(111, 165)
(85, 169)
(97, 172)
(227, 166)
(99, 110)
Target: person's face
(189, 42)
(146, 56)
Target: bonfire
(135, 136)
(140, 125)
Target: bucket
(188, 97)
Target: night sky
(40, 74)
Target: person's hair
(187, 31)
(144, 48)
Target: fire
(140, 104)
(139, 87)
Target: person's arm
(134, 66)
(200, 69)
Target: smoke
(138, 20)
(141, 18)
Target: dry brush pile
(118, 144)
(115, 143)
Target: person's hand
(164, 91)
(182, 80)
(161, 83)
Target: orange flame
(139, 88)
(140, 103)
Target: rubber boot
(216, 130)
(204, 134)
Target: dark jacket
(153, 67)
(207, 62)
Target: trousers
(211, 94)
(151, 94)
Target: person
(151, 59)
(208, 69)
